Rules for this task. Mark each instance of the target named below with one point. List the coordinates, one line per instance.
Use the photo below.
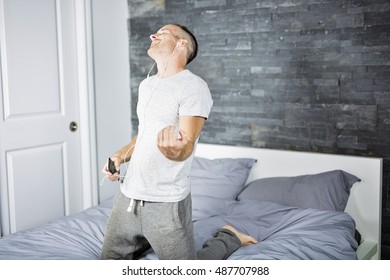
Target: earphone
(147, 76)
(166, 64)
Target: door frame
(84, 40)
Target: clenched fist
(171, 144)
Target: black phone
(111, 166)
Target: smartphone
(111, 166)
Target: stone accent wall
(309, 75)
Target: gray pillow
(219, 178)
(325, 191)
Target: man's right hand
(108, 174)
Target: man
(153, 206)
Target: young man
(153, 206)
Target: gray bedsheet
(283, 232)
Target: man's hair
(192, 44)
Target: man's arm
(125, 153)
(180, 146)
(121, 156)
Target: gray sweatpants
(166, 227)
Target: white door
(40, 164)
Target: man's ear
(182, 43)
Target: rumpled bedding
(283, 232)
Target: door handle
(73, 126)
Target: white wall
(112, 82)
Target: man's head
(192, 47)
(170, 37)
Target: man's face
(163, 41)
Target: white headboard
(364, 204)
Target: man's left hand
(172, 144)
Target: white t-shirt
(150, 175)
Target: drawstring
(132, 204)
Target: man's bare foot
(244, 239)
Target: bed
(298, 205)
